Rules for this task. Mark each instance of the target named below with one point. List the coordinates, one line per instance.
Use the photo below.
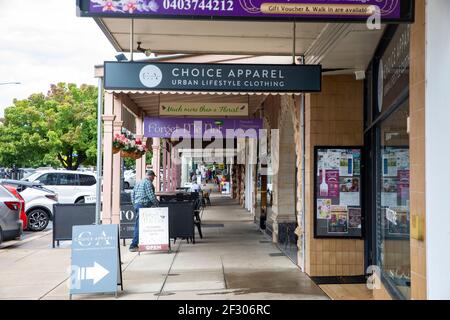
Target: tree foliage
(59, 128)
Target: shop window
(393, 201)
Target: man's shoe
(134, 249)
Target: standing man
(143, 196)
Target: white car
(70, 186)
(39, 203)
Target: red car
(23, 215)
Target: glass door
(393, 207)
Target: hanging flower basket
(126, 154)
(115, 150)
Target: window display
(337, 192)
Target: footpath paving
(234, 260)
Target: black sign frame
(66, 235)
(361, 193)
(115, 73)
(407, 15)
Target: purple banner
(253, 9)
(201, 128)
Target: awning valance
(157, 92)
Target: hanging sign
(155, 127)
(277, 10)
(212, 77)
(154, 229)
(203, 109)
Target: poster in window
(346, 165)
(349, 191)
(338, 221)
(389, 192)
(389, 165)
(323, 208)
(354, 218)
(403, 186)
(398, 221)
(329, 186)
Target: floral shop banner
(300, 10)
(203, 109)
(199, 128)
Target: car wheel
(126, 185)
(38, 220)
(79, 201)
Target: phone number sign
(301, 10)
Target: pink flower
(130, 6)
(109, 6)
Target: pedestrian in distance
(142, 196)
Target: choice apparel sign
(300, 10)
(212, 77)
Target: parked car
(23, 215)
(39, 203)
(70, 186)
(26, 172)
(10, 223)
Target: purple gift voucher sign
(201, 128)
(254, 9)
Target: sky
(44, 42)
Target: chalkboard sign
(181, 219)
(127, 221)
(337, 192)
(95, 266)
(65, 216)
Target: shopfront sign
(154, 229)
(212, 77)
(299, 10)
(95, 259)
(203, 109)
(199, 128)
(393, 69)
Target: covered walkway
(234, 260)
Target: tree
(59, 128)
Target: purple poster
(332, 182)
(403, 185)
(280, 9)
(201, 128)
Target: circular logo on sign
(150, 76)
(380, 85)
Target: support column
(164, 177)
(156, 146)
(117, 165)
(140, 169)
(184, 170)
(108, 119)
(283, 217)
